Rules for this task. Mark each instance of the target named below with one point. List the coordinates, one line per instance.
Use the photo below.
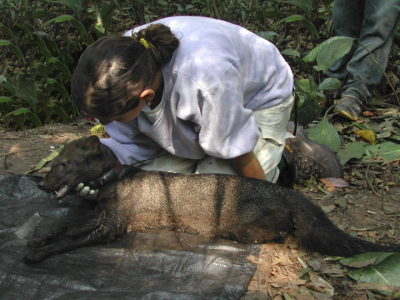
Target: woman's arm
(248, 165)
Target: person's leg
(347, 21)
(272, 123)
(378, 29)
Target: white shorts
(272, 123)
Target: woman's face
(128, 116)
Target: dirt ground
(368, 208)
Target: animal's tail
(315, 232)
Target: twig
(367, 229)
(370, 185)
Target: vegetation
(41, 42)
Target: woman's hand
(248, 165)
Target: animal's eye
(64, 164)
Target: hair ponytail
(112, 72)
(161, 41)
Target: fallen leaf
(334, 182)
(367, 113)
(367, 135)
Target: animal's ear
(92, 144)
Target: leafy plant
(311, 98)
(41, 42)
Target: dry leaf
(367, 135)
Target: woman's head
(114, 71)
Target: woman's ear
(147, 95)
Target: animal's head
(79, 161)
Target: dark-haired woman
(211, 95)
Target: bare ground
(368, 208)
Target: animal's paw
(86, 192)
(36, 255)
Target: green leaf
(9, 32)
(324, 133)
(330, 84)
(60, 112)
(78, 25)
(311, 28)
(42, 46)
(291, 52)
(20, 89)
(4, 99)
(385, 272)
(328, 55)
(59, 87)
(305, 5)
(312, 55)
(365, 259)
(29, 114)
(62, 67)
(289, 19)
(266, 34)
(351, 150)
(388, 151)
(14, 49)
(309, 110)
(74, 5)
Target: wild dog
(213, 205)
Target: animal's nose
(41, 185)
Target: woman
(213, 96)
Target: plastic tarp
(148, 265)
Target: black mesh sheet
(151, 265)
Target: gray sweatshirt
(217, 77)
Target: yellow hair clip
(145, 43)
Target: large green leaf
(351, 150)
(385, 271)
(312, 55)
(325, 133)
(328, 55)
(388, 151)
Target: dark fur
(243, 209)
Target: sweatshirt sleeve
(227, 129)
(129, 144)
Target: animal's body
(214, 205)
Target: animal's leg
(71, 227)
(98, 236)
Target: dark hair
(113, 71)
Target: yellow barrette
(145, 43)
